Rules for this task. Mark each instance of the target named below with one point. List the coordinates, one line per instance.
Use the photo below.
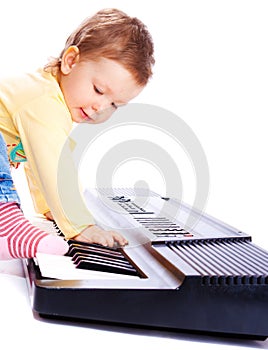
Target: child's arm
(43, 126)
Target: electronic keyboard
(182, 269)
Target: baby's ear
(69, 59)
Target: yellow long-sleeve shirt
(33, 113)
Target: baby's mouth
(85, 115)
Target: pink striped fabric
(21, 236)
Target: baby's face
(90, 87)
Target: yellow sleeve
(43, 126)
(39, 202)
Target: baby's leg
(20, 239)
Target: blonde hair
(112, 34)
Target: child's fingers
(103, 238)
(108, 239)
(119, 238)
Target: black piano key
(107, 260)
(76, 248)
(99, 258)
(90, 264)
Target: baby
(106, 62)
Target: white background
(211, 70)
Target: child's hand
(95, 234)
